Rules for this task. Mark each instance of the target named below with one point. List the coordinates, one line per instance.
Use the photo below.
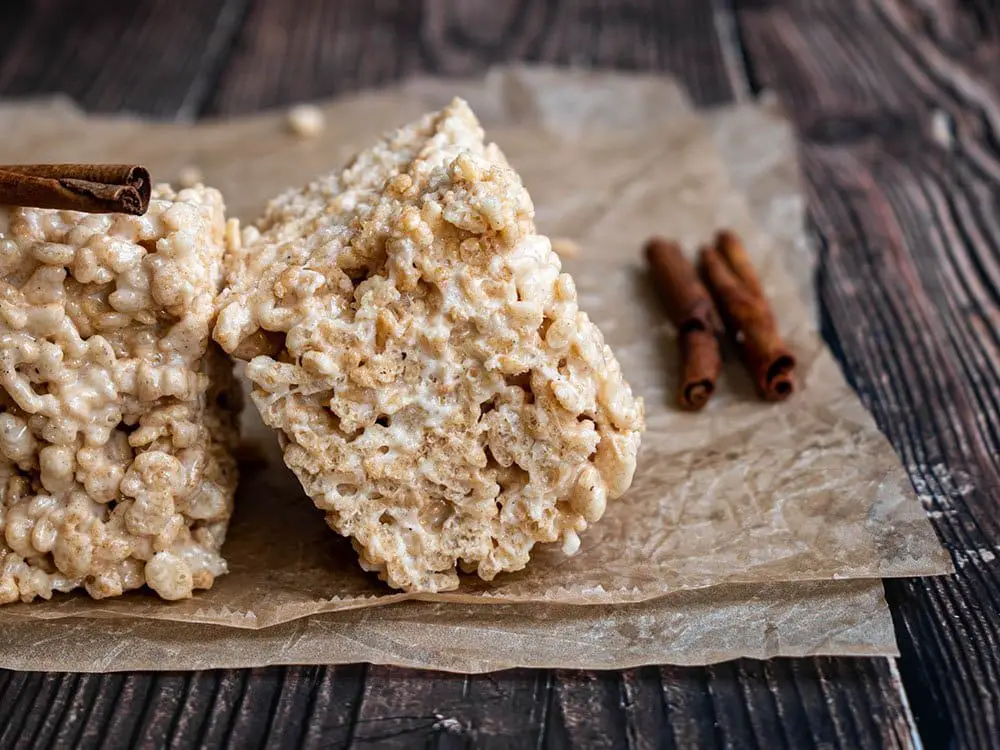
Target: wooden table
(898, 105)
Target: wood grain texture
(287, 52)
(774, 705)
(153, 57)
(898, 104)
(901, 147)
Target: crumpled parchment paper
(844, 618)
(743, 493)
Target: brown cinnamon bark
(91, 188)
(735, 255)
(739, 294)
(692, 311)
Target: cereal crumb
(306, 120)
(447, 724)
(942, 129)
(564, 247)
(189, 177)
(438, 391)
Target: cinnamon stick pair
(733, 283)
(91, 188)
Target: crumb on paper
(306, 120)
(438, 391)
(189, 177)
(118, 413)
(564, 247)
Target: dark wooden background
(898, 105)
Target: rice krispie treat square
(438, 392)
(117, 412)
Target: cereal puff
(117, 412)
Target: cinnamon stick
(91, 188)
(736, 256)
(739, 294)
(690, 308)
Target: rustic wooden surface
(898, 104)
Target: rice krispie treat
(437, 390)
(117, 412)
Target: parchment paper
(744, 492)
(791, 619)
(829, 618)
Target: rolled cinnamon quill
(91, 188)
(739, 295)
(690, 308)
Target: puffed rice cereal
(437, 390)
(117, 412)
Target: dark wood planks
(12, 19)
(901, 126)
(292, 51)
(774, 705)
(153, 57)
